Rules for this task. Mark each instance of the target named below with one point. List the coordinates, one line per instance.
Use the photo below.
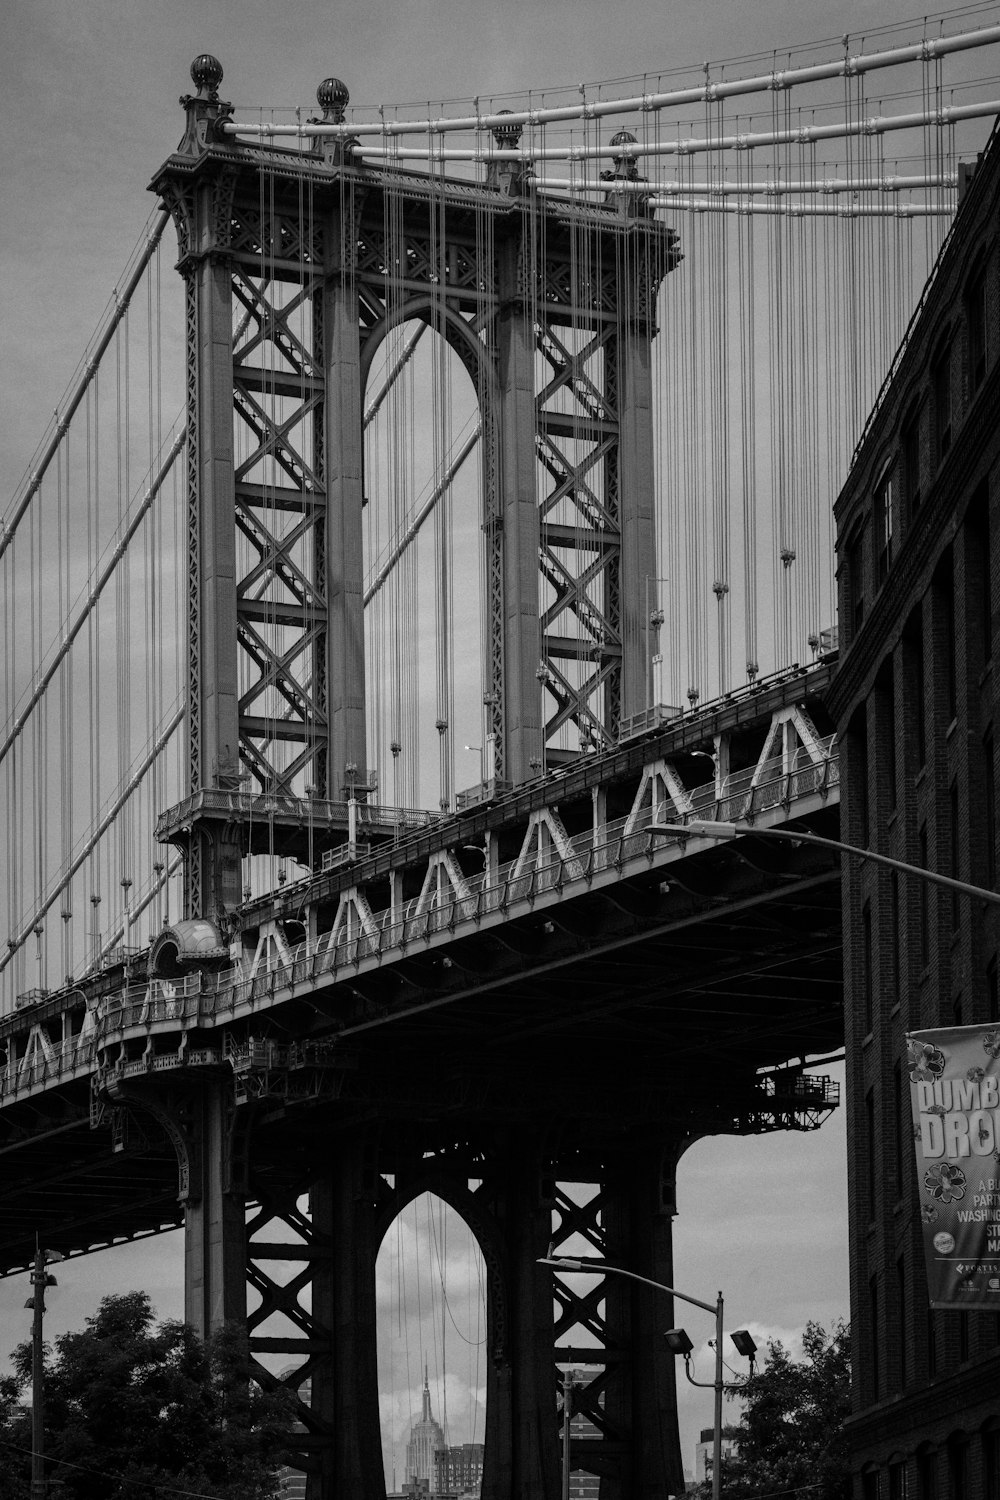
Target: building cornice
(974, 1391)
(932, 528)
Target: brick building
(458, 1470)
(917, 704)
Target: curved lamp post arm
(710, 828)
(599, 1268)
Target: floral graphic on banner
(925, 1061)
(956, 1118)
(945, 1182)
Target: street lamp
(40, 1279)
(676, 1339)
(716, 829)
(482, 761)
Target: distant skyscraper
(426, 1438)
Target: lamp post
(677, 1341)
(40, 1279)
(710, 828)
(478, 749)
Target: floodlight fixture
(678, 1342)
(744, 1343)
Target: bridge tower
(273, 242)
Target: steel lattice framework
(297, 266)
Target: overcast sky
(88, 99)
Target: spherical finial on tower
(507, 137)
(206, 73)
(624, 164)
(333, 99)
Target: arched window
(991, 1459)
(958, 1465)
(977, 325)
(910, 461)
(942, 384)
(882, 508)
(871, 1483)
(897, 1477)
(927, 1471)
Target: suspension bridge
(459, 516)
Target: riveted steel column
(519, 510)
(521, 1450)
(639, 277)
(343, 467)
(214, 1216)
(642, 1404)
(345, 1382)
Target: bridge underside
(586, 1043)
(650, 1005)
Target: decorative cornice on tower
(511, 178)
(633, 205)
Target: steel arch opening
(431, 1299)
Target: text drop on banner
(955, 1096)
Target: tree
(790, 1436)
(135, 1410)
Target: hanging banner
(955, 1096)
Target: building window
(890, 734)
(975, 313)
(992, 994)
(870, 1148)
(978, 568)
(867, 978)
(990, 810)
(903, 1331)
(991, 1461)
(900, 1118)
(925, 905)
(856, 747)
(875, 1339)
(914, 639)
(944, 603)
(956, 854)
(856, 581)
(870, 1488)
(897, 1478)
(943, 412)
(927, 1473)
(897, 945)
(911, 463)
(883, 527)
(958, 1447)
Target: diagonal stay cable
(96, 591)
(14, 943)
(8, 525)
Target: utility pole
(40, 1279)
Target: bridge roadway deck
(545, 957)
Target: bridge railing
(47, 1064)
(745, 794)
(204, 997)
